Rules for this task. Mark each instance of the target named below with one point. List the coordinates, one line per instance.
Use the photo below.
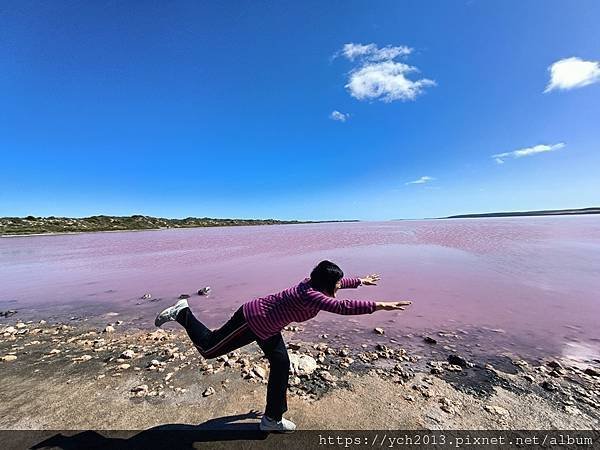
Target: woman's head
(326, 277)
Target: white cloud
(379, 77)
(339, 116)
(373, 53)
(570, 73)
(386, 81)
(527, 151)
(421, 180)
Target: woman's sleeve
(350, 282)
(333, 305)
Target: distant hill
(549, 212)
(40, 225)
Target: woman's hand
(392, 306)
(370, 280)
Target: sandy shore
(76, 377)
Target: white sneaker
(170, 313)
(283, 425)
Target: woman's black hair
(325, 276)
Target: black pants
(234, 334)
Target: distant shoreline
(549, 212)
(49, 226)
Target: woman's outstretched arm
(333, 305)
(354, 282)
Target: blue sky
(224, 109)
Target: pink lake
(529, 286)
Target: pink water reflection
(535, 281)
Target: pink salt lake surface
(528, 286)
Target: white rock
(497, 410)
(302, 364)
(127, 354)
(8, 358)
(209, 391)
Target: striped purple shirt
(266, 316)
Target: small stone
(457, 360)
(10, 330)
(140, 390)
(429, 340)
(204, 291)
(327, 376)
(592, 372)
(497, 410)
(554, 364)
(409, 398)
(260, 372)
(146, 296)
(550, 385)
(184, 296)
(208, 391)
(20, 325)
(169, 376)
(124, 366)
(54, 351)
(127, 354)
(529, 378)
(8, 358)
(379, 330)
(83, 358)
(109, 329)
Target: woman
(262, 320)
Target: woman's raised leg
(213, 343)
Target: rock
(497, 410)
(429, 340)
(10, 330)
(208, 391)
(83, 358)
(8, 358)
(20, 325)
(260, 372)
(124, 366)
(528, 378)
(453, 368)
(140, 391)
(169, 376)
(592, 372)
(54, 351)
(458, 360)
(109, 329)
(184, 296)
(550, 385)
(327, 376)
(409, 398)
(146, 297)
(204, 291)
(42, 322)
(446, 405)
(127, 354)
(520, 363)
(554, 364)
(379, 330)
(8, 313)
(302, 364)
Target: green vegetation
(36, 225)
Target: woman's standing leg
(213, 343)
(279, 361)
